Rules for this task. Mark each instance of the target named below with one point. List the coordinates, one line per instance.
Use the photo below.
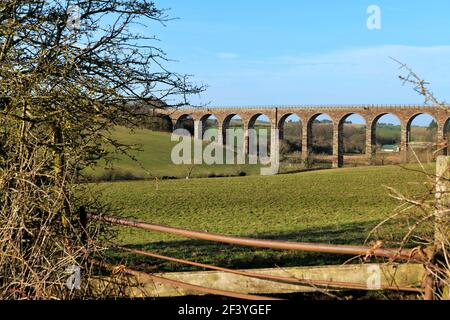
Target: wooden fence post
(442, 220)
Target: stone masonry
(307, 115)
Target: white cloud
(372, 60)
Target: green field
(154, 157)
(154, 160)
(331, 206)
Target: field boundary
(407, 276)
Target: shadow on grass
(232, 256)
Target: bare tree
(69, 71)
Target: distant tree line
(354, 136)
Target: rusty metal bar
(289, 280)
(393, 254)
(180, 284)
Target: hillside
(154, 160)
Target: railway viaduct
(307, 115)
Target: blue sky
(307, 52)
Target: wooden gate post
(442, 220)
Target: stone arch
(374, 140)
(226, 125)
(412, 119)
(254, 128)
(282, 121)
(422, 138)
(185, 121)
(341, 147)
(327, 147)
(162, 122)
(292, 135)
(254, 118)
(207, 121)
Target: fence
(414, 260)
(392, 276)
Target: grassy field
(154, 159)
(331, 206)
